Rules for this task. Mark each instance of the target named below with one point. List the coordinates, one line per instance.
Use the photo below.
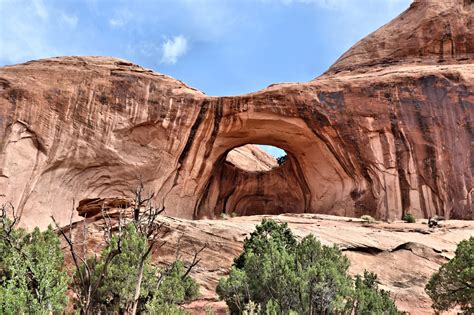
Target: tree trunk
(138, 285)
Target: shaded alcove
(312, 180)
(250, 181)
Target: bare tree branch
(194, 262)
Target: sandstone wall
(380, 139)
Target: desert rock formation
(387, 130)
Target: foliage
(367, 218)
(276, 274)
(282, 159)
(268, 230)
(160, 291)
(453, 284)
(32, 275)
(225, 216)
(369, 299)
(168, 309)
(174, 288)
(116, 291)
(209, 310)
(409, 218)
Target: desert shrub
(367, 218)
(161, 291)
(282, 159)
(33, 279)
(409, 218)
(276, 274)
(453, 284)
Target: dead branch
(81, 262)
(194, 262)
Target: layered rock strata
(387, 130)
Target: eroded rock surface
(394, 135)
(251, 158)
(403, 255)
(430, 32)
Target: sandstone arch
(312, 180)
(385, 131)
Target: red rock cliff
(387, 130)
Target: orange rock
(387, 130)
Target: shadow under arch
(312, 179)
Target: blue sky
(222, 47)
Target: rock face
(387, 130)
(403, 255)
(430, 32)
(251, 158)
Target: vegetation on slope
(277, 274)
(121, 280)
(453, 284)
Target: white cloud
(40, 9)
(30, 29)
(173, 49)
(332, 4)
(121, 18)
(69, 20)
(329, 4)
(116, 22)
(211, 20)
(22, 34)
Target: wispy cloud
(40, 9)
(120, 19)
(69, 20)
(330, 4)
(29, 30)
(173, 49)
(22, 31)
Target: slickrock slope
(430, 32)
(394, 136)
(403, 255)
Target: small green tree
(175, 287)
(122, 279)
(324, 280)
(115, 292)
(279, 275)
(368, 298)
(268, 230)
(32, 275)
(453, 284)
(160, 290)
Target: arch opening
(256, 157)
(253, 179)
(311, 178)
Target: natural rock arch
(311, 180)
(382, 132)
